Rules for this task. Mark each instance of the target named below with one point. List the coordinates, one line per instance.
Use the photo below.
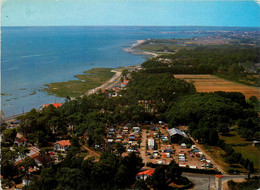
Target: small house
(22, 141)
(62, 145)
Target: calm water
(34, 56)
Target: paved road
(205, 182)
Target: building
(145, 174)
(44, 160)
(22, 141)
(62, 145)
(174, 131)
(175, 134)
(151, 144)
(56, 105)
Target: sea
(34, 56)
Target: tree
(22, 151)
(223, 129)
(139, 141)
(173, 170)
(9, 135)
(119, 148)
(158, 179)
(140, 185)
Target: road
(143, 146)
(205, 182)
(109, 84)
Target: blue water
(34, 56)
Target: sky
(130, 13)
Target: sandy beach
(139, 52)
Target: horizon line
(131, 26)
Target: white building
(151, 144)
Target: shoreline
(139, 52)
(116, 78)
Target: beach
(132, 49)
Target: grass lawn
(74, 88)
(250, 152)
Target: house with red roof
(20, 141)
(44, 160)
(62, 145)
(144, 174)
(56, 105)
(123, 84)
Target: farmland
(211, 83)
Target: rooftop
(147, 172)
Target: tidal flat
(74, 88)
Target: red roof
(147, 172)
(126, 81)
(20, 140)
(218, 176)
(56, 105)
(64, 143)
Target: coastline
(118, 72)
(110, 83)
(132, 49)
(115, 79)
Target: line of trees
(110, 172)
(231, 62)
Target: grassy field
(74, 88)
(233, 138)
(211, 83)
(158, 47)
(218, 155)
(248, 151)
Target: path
(143, 146)
(109, 84)
(207, 156)
(91, 153)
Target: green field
(247, 151)
(218, 155)
(250, 152)
(74, 88)
(233, 138)
(158, 47)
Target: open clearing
(247, 151)
(211, 83)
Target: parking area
(157, 148)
